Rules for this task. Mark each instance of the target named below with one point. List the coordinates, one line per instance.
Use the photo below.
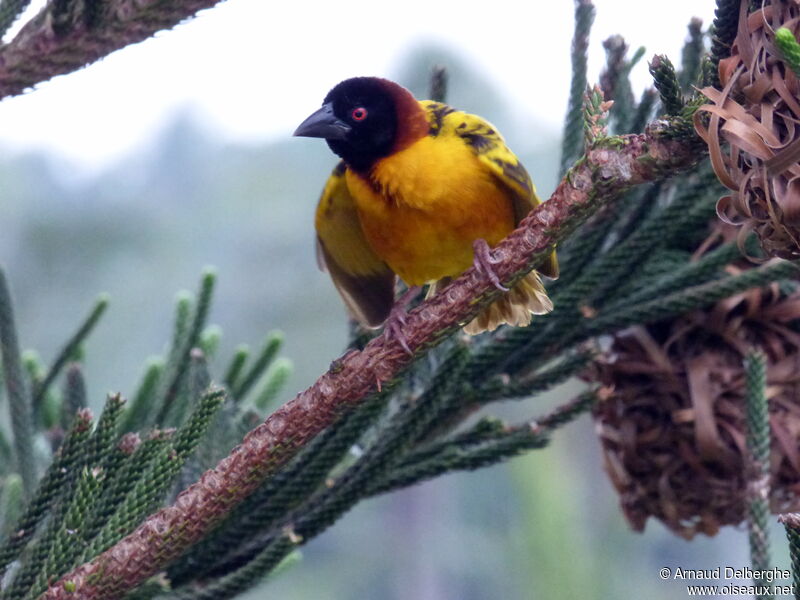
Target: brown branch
(612, 166)
(69, 34)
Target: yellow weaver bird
(422, 192)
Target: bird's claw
(393, 328)
(484, 261)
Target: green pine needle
(106, 433)
(572, 144)
(275, 557)
(789, 49)
(18, 392)
(74, 394)
(274, 381)
(69, 350)
(11, 503)
(72, 536)
(688, 299)
(262, 362)
(503, 387)
(186, 336)
(644, 111)
(153, 485)
(692, 55)
(210, 340)
(236, 366)
(758, 444)
(143, 404)
(283, 492)
(726, 23)
(51, 487)
(667, 84)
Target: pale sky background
(253, 69)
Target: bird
(422, 192)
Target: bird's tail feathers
(515, 307)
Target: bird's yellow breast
(422, 208)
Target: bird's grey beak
(323, 124)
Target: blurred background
(131, 175)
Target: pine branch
(130, 473)
(236, 366)
(71, 538)
(281, 493)
(616, 48)
(34, 370)
(274, 381)
(624, 108)
(67, 353)
(600, 280)
(679, 302)
(116, 467)
(757, 475)
(480, 389)
(11, 503)
(17, 389)
(460, 453)
(644, 110)
(210, 340)
(486, 443)
(667, 84)
(74, 395)
(791, 521)
(10, 11)
(453, 457)
(186, 336)
(726, 23)
(104, 437)
(6, 456)
(38, 552)
(610, 167)
(197, 381)
(691, 56)
(140, 408)
(438, 84)
(504, 387)
(268, 353)
(572, 144)
(150, 489)
(519, 343)
(271, 558)
(708, 267)
(51, 487)
(66, 36)
(412, 421)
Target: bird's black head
(359, 119)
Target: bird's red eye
(359, 114)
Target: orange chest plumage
(422, 208)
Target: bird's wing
(490, 148)
(364, 281)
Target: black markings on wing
(491, 148)
(515, 172)
(437, 111)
